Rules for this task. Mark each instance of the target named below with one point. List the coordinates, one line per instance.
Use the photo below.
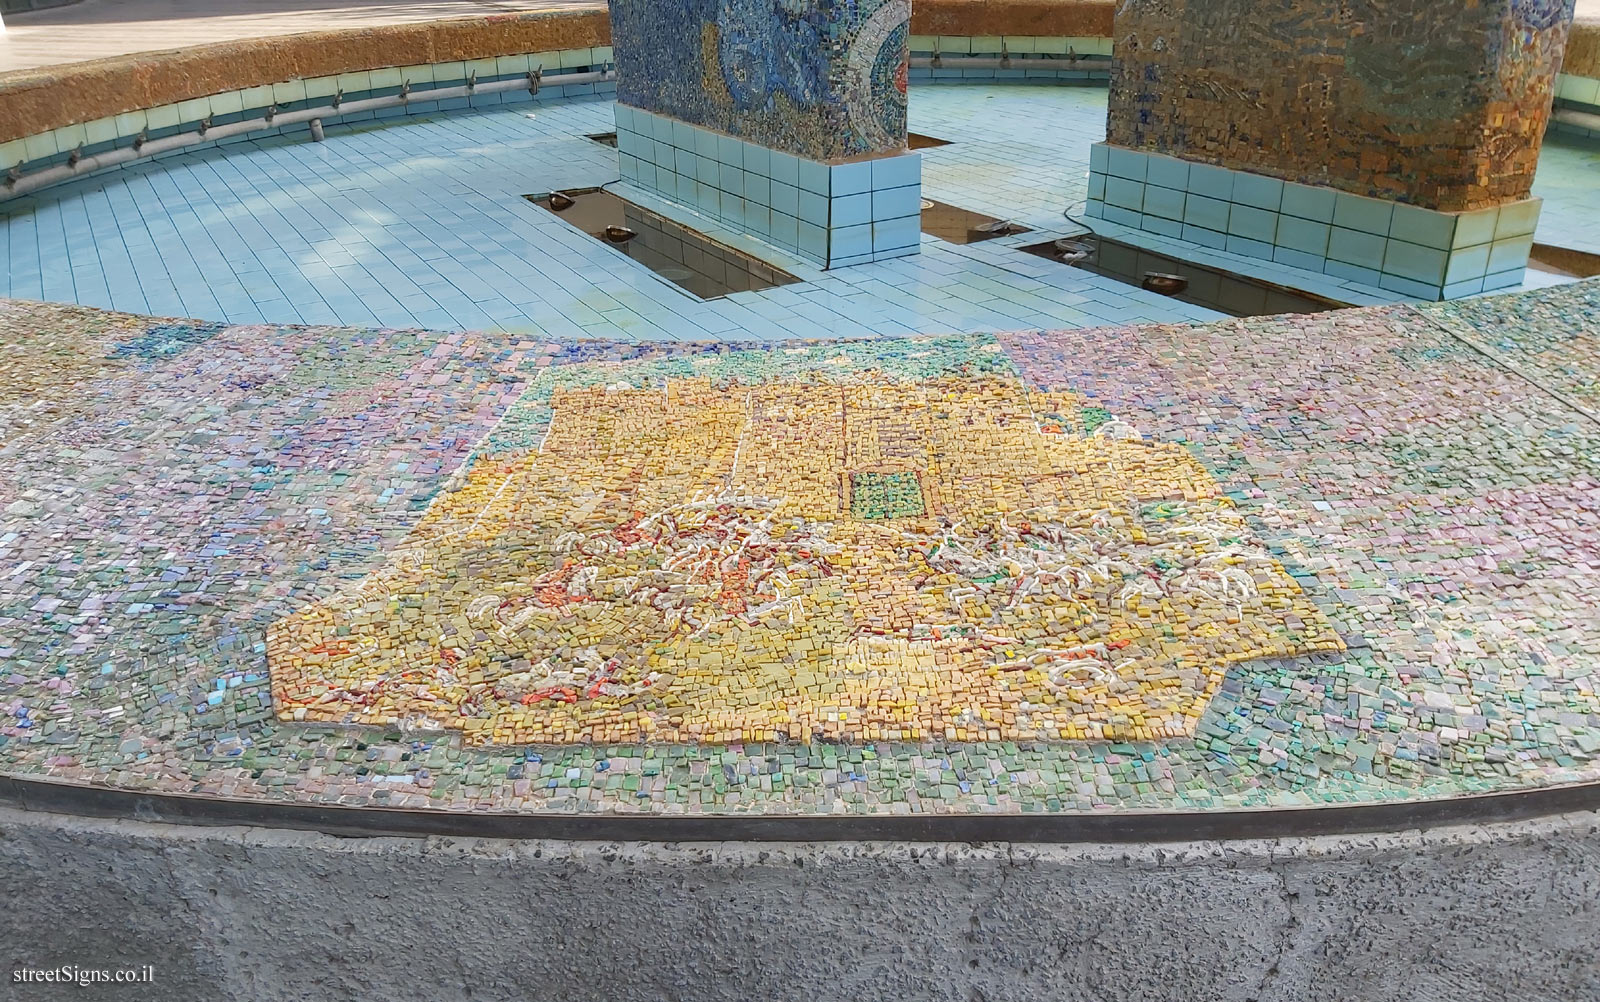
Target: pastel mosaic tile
(963, 555)
(1270, 562)
(820, 81)
(1335, 558)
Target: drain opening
(963, 226)
(1564, 261)
(917, 141)
(689, 260)
(604, 139)
(1223, 291)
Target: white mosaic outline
(863, 56)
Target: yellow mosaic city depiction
(861, 557)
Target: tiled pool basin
(1334, 555)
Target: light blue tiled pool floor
(421, 223)
(1569, 182)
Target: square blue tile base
(1418, 253)
(832, 215)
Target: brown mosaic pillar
(1388, 142)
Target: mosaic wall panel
(822, 79)
(815, 546)
(1274, 561)
(1440, 105)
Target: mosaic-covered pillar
(785, 119)
(1388, 142)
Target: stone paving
(1276, 561)
(94, 29)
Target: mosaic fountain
(1288, 576)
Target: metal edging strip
(53, 797)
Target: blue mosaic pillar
(784, 119)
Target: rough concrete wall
(1441, 105)
(1454, 915)
(822, 80)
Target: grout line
(1505, 365)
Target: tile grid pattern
(833, 215)
(1577, 94)
(1578, 90)
(1568, 168)
(1415, 252)
(388, 224)
(420, 222)
(1047, 59)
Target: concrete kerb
(1457, 913)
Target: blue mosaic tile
(822, 81)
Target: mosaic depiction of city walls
(823, 544)
(1365, 96)
(1281, 560)
(821, 80)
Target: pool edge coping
(49, 796)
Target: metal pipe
(24, 184)
(1572, 116)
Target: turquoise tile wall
(833, 215)
(1578, 90)
(1030, 59)
(1401, 248)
